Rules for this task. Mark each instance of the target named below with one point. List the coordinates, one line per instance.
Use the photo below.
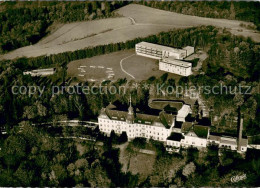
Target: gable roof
(162, 120)
(186, 126)
(201, 131)
(196, 130)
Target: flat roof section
(176, 62)
(160, 47)
(188, 48)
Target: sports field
(123, 64)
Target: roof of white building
(214, 138)
(173, 61)
(161, 47)
(186, 126)
(162, 120)
(184, 111)
(43, 70)
(201, 131)
(188, 48)
(228, 140)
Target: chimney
(240, 132)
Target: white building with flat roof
(40, 72)
(156, 51)
(175, 66)
(183, 112)
(189, 50)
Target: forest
(34, 157)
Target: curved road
(121, 65)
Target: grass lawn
(107, 67)
(140, 163)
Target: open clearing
(140, 163)
(107, 67)
(137, 21)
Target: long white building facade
(170, 59)
(165, 127)
(136, 124)
(157, 51)
(175, 66)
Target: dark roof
(146, 119)
(175, 137)
(214, 138)
(166, 119)
(162, 103)
(116, 114)
(111, 106)
(162, 119)
(201, 131)
(186, 126)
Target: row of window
(134, 135)
(174, 144)
(130, 126)
(136, 130)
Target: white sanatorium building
(168, 128)
(169, 57)
(156, 51)
(136, 124)
(175, 66)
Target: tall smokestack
(241, 120)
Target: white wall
(134, 130)
(194, 141)
(183, 71)
(176, 55)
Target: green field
(99, 68)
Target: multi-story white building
(196, 137)
(165, 128)
(199, 136)
(136, 124)
(175, 66)
(189, 50)
(170, 58)
(238, 144)
(156, 51)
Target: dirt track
(138, 21)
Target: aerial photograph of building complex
(130, 94)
